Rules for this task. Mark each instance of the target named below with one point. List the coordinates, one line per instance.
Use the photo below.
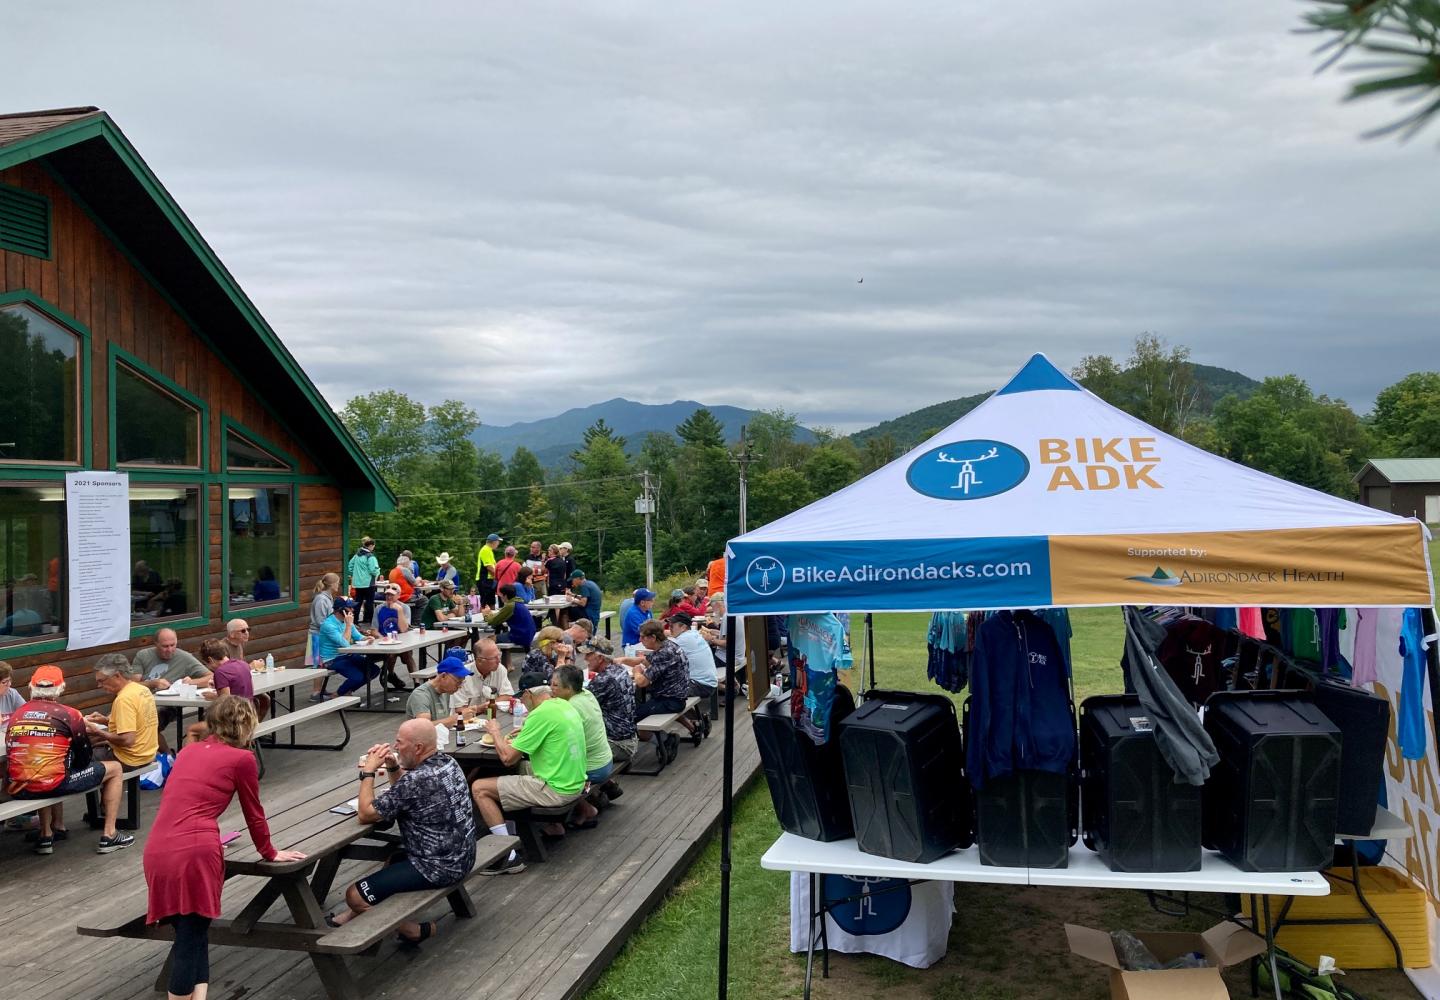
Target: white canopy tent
(1047, 496)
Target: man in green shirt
(568, 682)
(553, 738)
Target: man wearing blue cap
(485, 569)
(637, 615)
(431, 700)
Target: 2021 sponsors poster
(97, 525)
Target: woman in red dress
(184, 860)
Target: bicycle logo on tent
(985, 469)
(765, 575)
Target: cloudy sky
(533, 206)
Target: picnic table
(328, 839)
(264, 682)
(416, 639)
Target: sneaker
(44, 845)
(320, 696)
(505, 867)
(30, 821)
(612, 790)
(109, 845)
(57, 833)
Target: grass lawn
(1005, 942)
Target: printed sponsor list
(97, 521)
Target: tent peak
(1038, 373)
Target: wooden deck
(545, 934)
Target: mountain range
(552, 439)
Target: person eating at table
(702, 598)
(512, 621)
(524, 580)
(699, 659)
(663, 671)
(393, 619)
(128, 735)
(228, 676)
(614, 689)
(549, 752)
(445, 570)
(184, 860)
(442, 607)
(163, 662)
(431, 700)
(337, 632)
(429, 800)
(548, 650)
(637, 614)
(49, 755)
(585, 599)
(237, 634)
(10, 699)
(578, 631)
(568, 683)
(488, 681)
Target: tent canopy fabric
(1047, 496)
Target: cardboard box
(1223, 945)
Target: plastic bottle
(269, 663)
(518, 712)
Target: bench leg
(245, 922)
(461, 903)
(324, 879)
(333, 972)
(131, 819)
(531, 840)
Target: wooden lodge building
(126, 345)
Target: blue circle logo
(968, 470)
(862, 905)
(765, 575)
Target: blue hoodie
(1020, 715)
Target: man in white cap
(565, 549)
(446, 571)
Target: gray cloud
(677, 201)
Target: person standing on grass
(184, 859)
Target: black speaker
(1364, 723)
(1023, 820)
(1272, 801)
(807, 780)
(904, 768)
(1135, 815)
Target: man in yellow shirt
(485, 569)
(129, 735)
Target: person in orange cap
(48, 754)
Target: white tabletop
(406, 641)
(551, 603)
(842, 857)
(476, 623)
(263, 681)
(1387, 826)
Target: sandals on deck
(427, 930)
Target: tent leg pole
(870, 646)
(727, 805)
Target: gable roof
(87, 152)
(1047, 496)
(1404, 470)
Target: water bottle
(269, 663)
(518, 713)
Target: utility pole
(646, 505)
(743, 458)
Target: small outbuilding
(1409, 487)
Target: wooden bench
(362, 935)
(529, 821)
(301, 715)
(94, 814)
(659, 726)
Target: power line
(533, 486)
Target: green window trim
(23, 296)
(228, 426)
(118, 356)
(25, 225)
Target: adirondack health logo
(968, 470)
(1160, 578)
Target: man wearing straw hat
(446, 571)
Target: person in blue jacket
(637, 615)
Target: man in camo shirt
(614, 689)
(430, 799)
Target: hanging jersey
(818, 647)
(1410, 726)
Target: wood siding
(91, 279)
(1406, 499)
